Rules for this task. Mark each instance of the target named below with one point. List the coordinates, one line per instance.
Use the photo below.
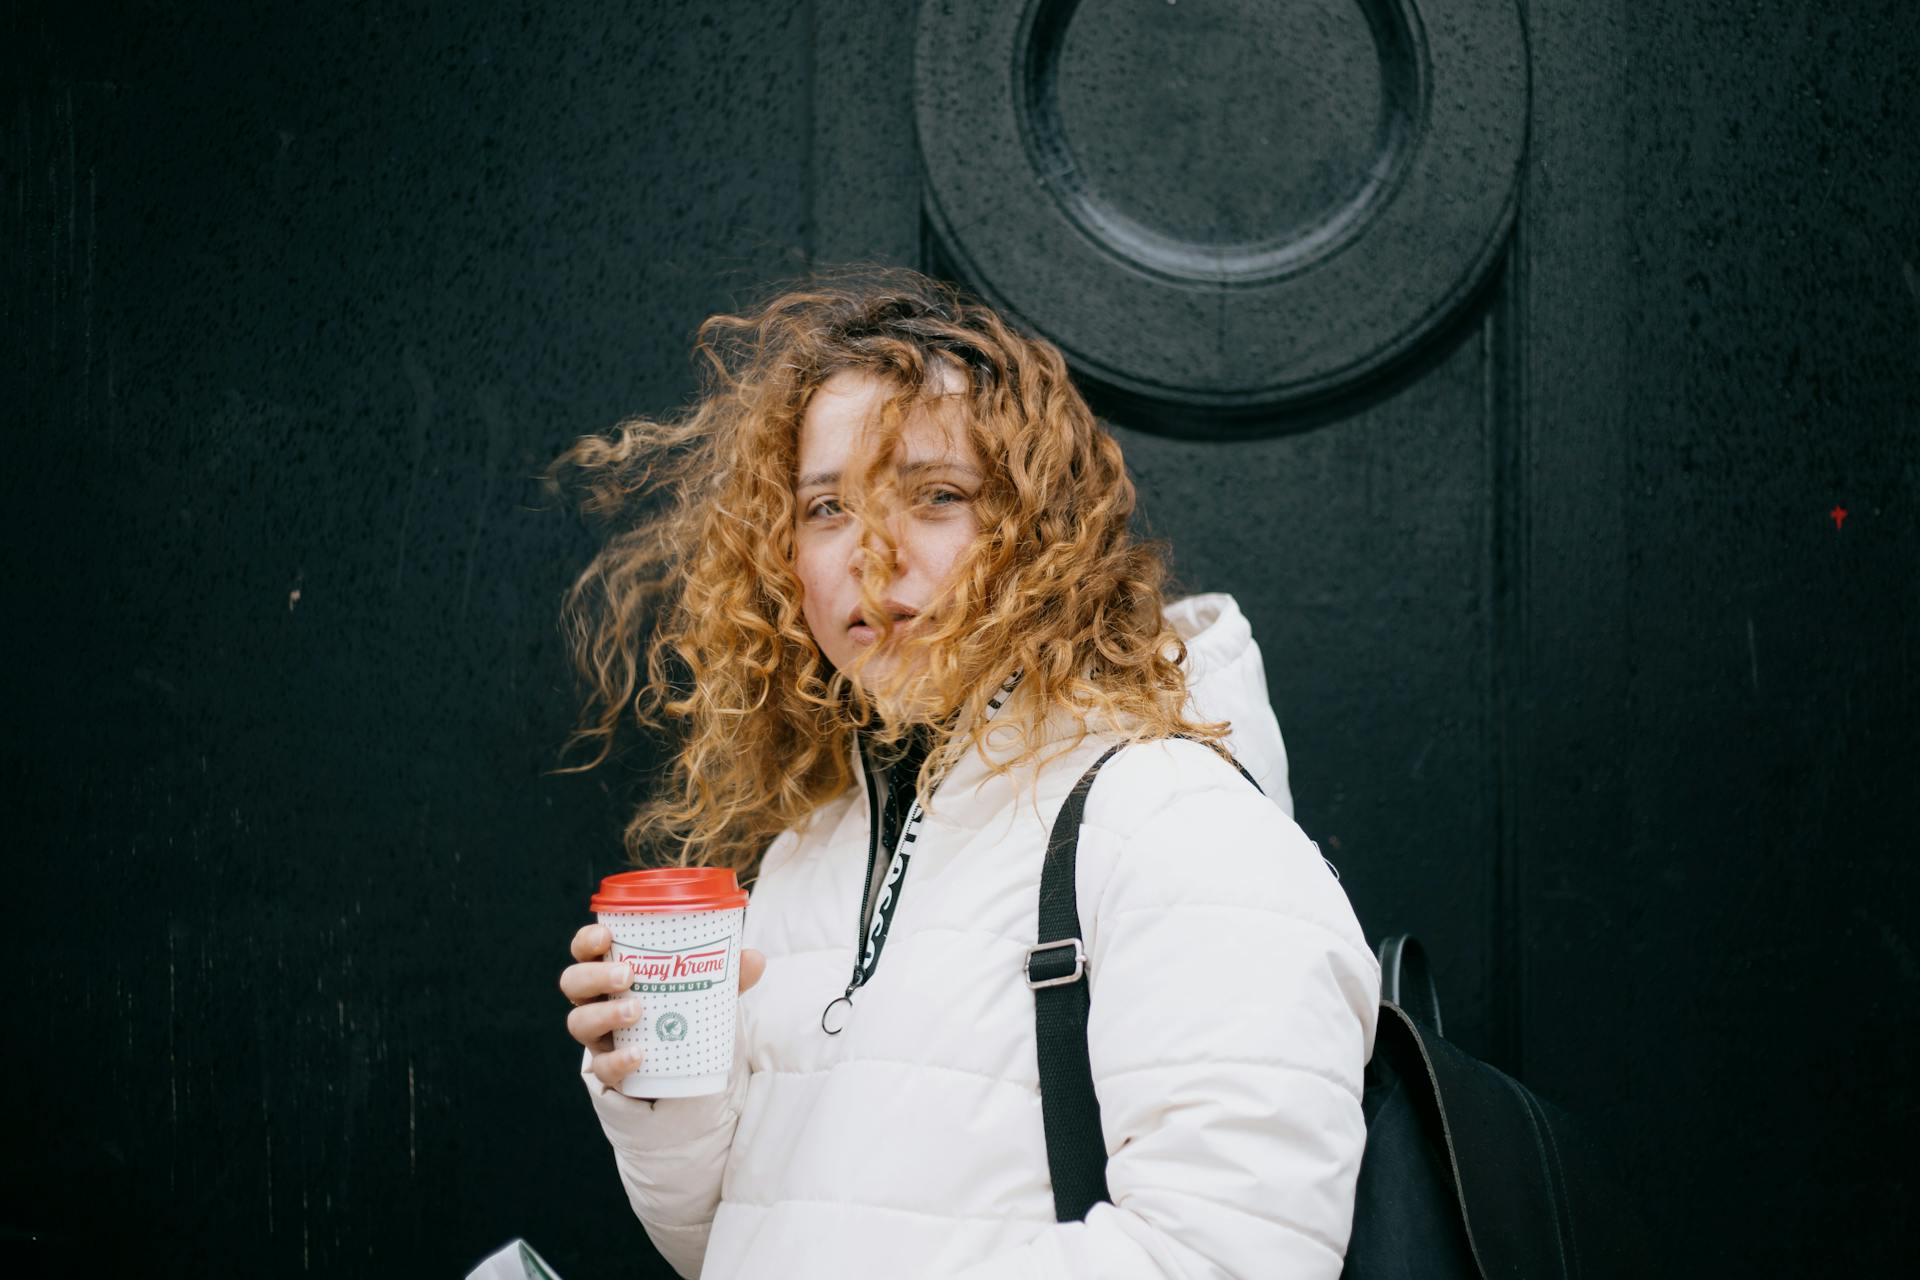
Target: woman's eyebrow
(911, 468)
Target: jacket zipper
(872, 790)
(908, 822)
(873, 852)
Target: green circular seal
(671, 1027)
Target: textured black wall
(302, 294)
(1763, 903)
(297, 297)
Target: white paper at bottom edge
(517, 1261)
(640, 1086)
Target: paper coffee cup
(679, 930)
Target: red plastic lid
(670, 889)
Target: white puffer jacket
(1233, 1007)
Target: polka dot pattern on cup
(687, 980)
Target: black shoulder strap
(1057, 971)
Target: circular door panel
(1223, 206)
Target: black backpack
(1466, 1172)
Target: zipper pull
(838, 1021)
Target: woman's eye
(829, 508)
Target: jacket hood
(1227, 680)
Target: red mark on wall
(1839, 517)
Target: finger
(752, 965)
(590, 941)
(612, 1068)
(592, 1022)
(581, 983)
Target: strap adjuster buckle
(1079, 963)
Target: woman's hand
(593, 978)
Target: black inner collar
(899, 778)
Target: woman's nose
(857, 561)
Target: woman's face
(934, 525)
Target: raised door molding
(1223, 210)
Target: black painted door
(1542, 380)
(1539, 374)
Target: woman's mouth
(860, 633)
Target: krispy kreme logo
(689, 969)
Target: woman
(888, 559)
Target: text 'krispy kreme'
(688, 970)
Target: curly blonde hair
(696, 585)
